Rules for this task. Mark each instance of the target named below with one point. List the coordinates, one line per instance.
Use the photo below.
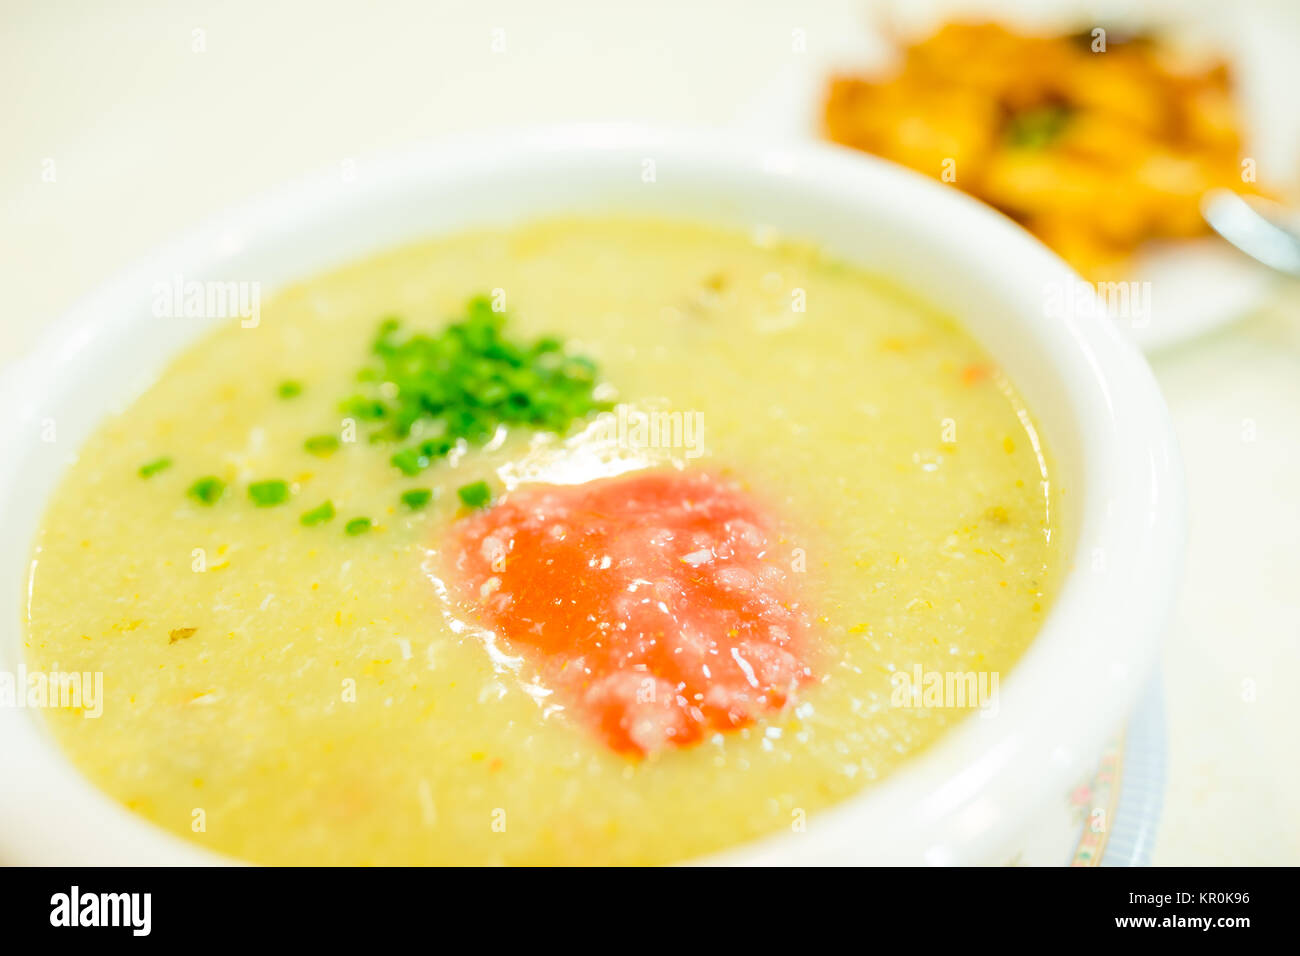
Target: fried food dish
(1094, 143)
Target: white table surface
(146, 134)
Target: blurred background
(124, 124)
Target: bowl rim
(966, 794)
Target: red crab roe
(655, 605)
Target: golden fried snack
(1095, 151)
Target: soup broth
(290, 692)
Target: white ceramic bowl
(967, 799)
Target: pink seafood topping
(656, 605)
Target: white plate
(1194, 286)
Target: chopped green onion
(466, 382)
(357, 526)
(207, 490)
(318, 515)
(411, 461)
(1037, 128)
(290, 389)
(416, 498)
(321, 445)
(267, 494)
(152, 468)
(475, 495)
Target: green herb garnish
(1038, 127)
(411, 461)
(289, 389)
(464, 382)
(357, 526)
(318, 515)
(417, 498)
(475, 495)
(267, 494)
(321, 445)
(207, 490)
(152, 468)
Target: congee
(587, 541)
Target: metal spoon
(1259, 236)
